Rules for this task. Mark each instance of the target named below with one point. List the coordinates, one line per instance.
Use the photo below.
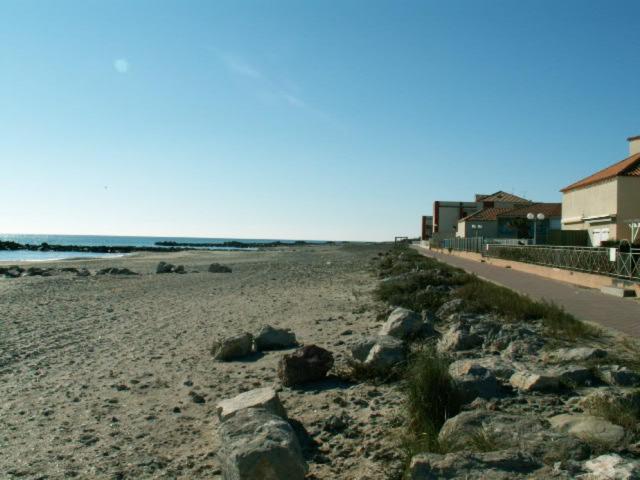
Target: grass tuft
(432, 398)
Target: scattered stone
(233, 347)
(612, 400)
(402, 323)
(306, 364)
(115, 271)
(535, 382)
(449, 307)
(256, 444)
(196, 397)
(180, 269)
(501, 465)
(474, 379)
(37, 271)
(611, 467)
(164, 267)
(265, 398)
(14, 272)
(458, 337)
(574, 375)
(575, 355)
(379, 353)
(272, 338)
(518, 349)
(83, 272)
(617, 375)
(588, 428)
(218, 268)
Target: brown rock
(306, 364)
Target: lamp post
(535, 218)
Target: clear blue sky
(302, 119)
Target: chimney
(634, 145)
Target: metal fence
(603, 261)
(476, 244)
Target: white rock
(256, 444)
(611, 467)
(474, 379)
(402, 323)
(535, 382)
(588, 428)
(266, 398)
(236, 346)
(579, 354)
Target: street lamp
(535, 218)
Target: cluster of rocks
(387, 350)
(164, 267)
(244, 344)
(219, 268)
(257, 438)
(16, 271)
(115, 271)
(538, 410)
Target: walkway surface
(622, 314)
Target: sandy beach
(104, 376)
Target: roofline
(576, 185)
(636, 137)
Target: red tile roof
(486, 214)
(630, 166)
(549, 210)
(501, 196)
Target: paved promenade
(622, 314)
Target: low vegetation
(432, 398)
(419, 283)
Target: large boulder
(575, 355)
(218, 268)
(448, 308)
(271, 338)
(474, 379)
(256, 444)
(606, 399)
(379, 353)
(501, 465)
(611, 467)
(588, 428)
(307, 364)
(574, 375)
(265, 398)
(164, 267)
(402, 323)
(536, 381)
(620, 376)
(458, 337)
(236, 346)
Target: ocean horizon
(106, 240)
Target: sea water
(101, 240)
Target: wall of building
(590, 201)
(447, 214)
(628, 204)
(489, 229)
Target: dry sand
(97, 374)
